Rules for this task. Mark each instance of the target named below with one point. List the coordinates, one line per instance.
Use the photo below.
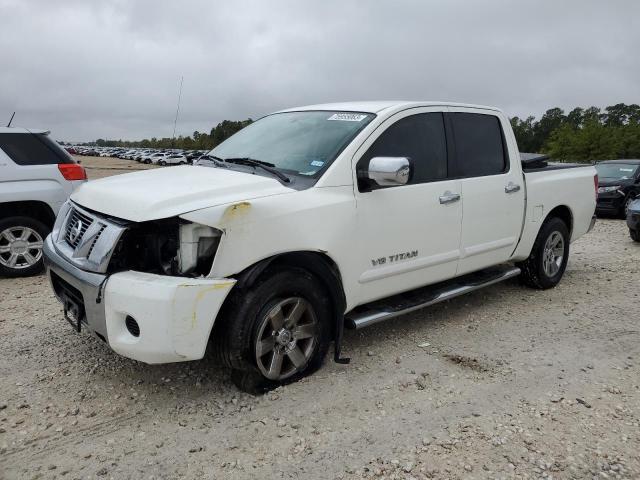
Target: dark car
(618, 186)
(633, 220)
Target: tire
(635, 235)
(260, 319)
(625, 207)
(162, 162)
(17, 235)
(545, 266)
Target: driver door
(408, 235)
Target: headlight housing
(198, 246)
(166, 247)
(608, 189)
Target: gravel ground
(506, 383)
(99, 167)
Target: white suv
(36, 178)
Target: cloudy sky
(111, 69)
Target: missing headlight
(166, 247)
(198, 245)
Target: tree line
(197, 141)
(583, 134)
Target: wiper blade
(261, 164)
(248, 161)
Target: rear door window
(479, 145)
(33, 149)
(421, 138)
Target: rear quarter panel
(546, 190)
(42, 183)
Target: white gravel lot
(514, 383)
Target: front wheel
(276, 332)
(635, 235)
(548, 259)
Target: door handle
(448, 197)
(511, 188)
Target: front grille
(93, 244)
(73, 235)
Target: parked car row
(143, 155)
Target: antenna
(177, 111)
(11, 120)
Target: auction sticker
(347, 117)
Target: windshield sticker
(347, 117)
(317, 163)
(626, 169)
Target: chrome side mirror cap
(389, 171)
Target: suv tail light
(72, 171)
(595, 184)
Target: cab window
(421, 139)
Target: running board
(397, 305)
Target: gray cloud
(111, 69)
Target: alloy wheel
(20, 247)
(553, 254)
(287, 337)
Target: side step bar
(397, 305)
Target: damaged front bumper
(146, 317)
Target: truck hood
(167, 192)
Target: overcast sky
(111, 69)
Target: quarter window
(421, 138)
(33, 149)
(479, 145)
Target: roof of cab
(22, 130)
(379, 106)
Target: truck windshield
(299, 142)
(617, 171)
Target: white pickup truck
(307, 221)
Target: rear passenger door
(492, 190)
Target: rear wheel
(21, 242)
(635, 235)
(548, 259)
(275, 333)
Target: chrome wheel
(286, 339)
(553, 254)
(20, 247)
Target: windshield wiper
(259, 163)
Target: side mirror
(389, 171)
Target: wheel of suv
(635, 235)
(162, 162)
(21, 241)
(275, 333)
(548, 259)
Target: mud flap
(338, 344)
